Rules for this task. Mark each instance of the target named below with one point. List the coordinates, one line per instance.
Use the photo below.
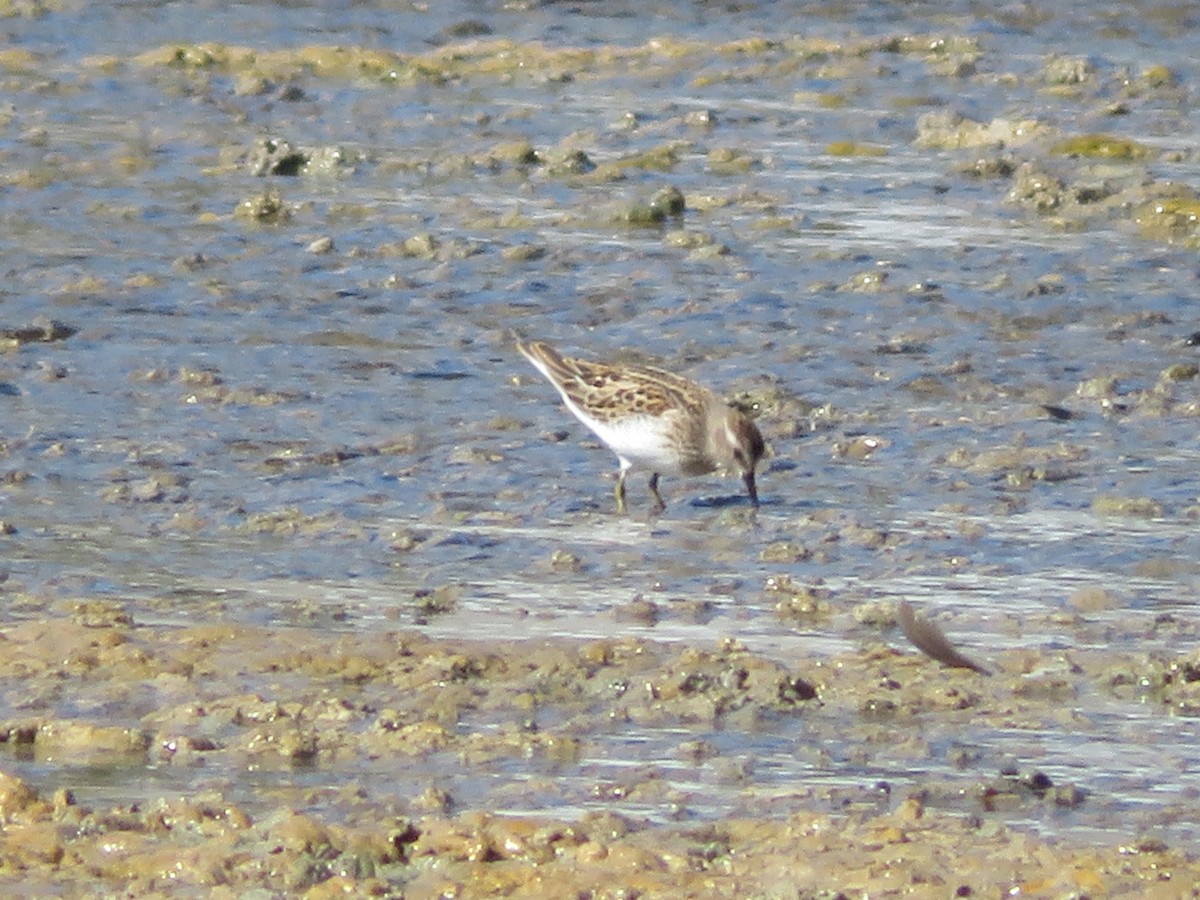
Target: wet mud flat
(259, 276)
(268, 762)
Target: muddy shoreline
(356, 753)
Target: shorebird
(653, 420)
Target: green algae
(1134, 507)
(732, 161)
(1173, 219)
(267, 208)
(854, 148)
(1099, 146)
(662, 158)
(749, 58)
(664, 204)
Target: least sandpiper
(652, 420)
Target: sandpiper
(652, 420)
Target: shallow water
(263, 385)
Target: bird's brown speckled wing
(609, 392)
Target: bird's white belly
(642, 443)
